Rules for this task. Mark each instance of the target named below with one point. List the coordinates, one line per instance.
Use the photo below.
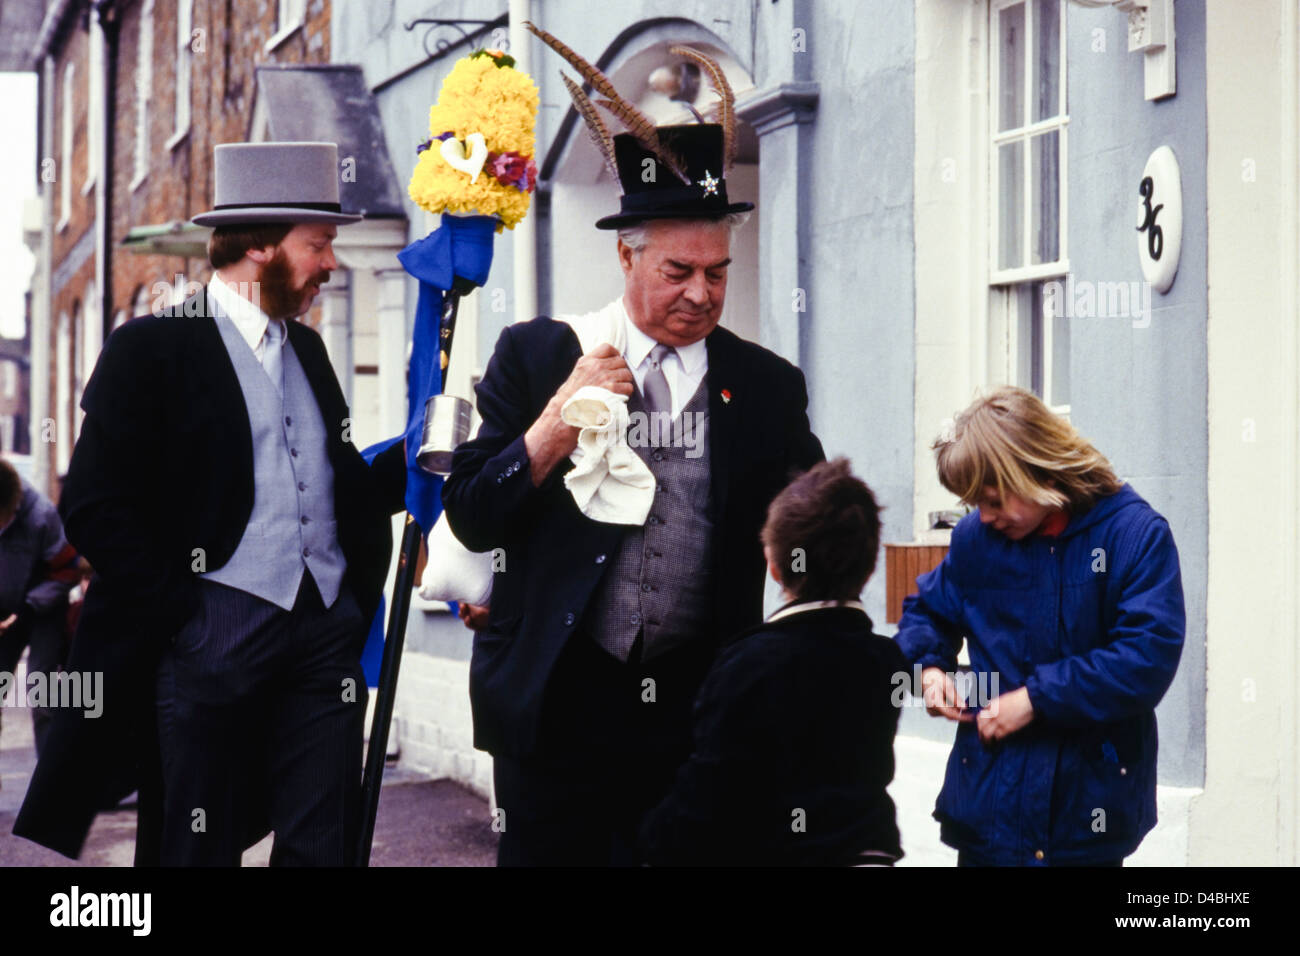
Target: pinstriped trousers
(260, 716)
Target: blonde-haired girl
(1066, 586)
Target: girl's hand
(1007, 714)
(939, 693)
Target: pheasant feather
(595, 125)
(726, 98)
(637, 123)
(650, 141)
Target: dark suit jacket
(759, 437)
(795, 715)
(161, 477)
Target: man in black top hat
(599, 634)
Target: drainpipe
(525, 233)
(104, 21)
(38, 383)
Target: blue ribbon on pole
(460, 248)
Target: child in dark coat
(794, 725)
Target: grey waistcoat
(292, 526)
(661, 579)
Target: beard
(279, 298)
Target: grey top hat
(275, 182)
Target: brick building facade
(181, 78)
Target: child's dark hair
(823, 531)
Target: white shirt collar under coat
(692, 357)
(803, 606)
(251, 321)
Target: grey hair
(637, 237)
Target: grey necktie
(657, 396)
(272, 344)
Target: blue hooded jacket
(1092, 623)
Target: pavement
(421, 822)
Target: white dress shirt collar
(800, 607)
(250, 320)
(639, 344)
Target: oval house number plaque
(1160, 219)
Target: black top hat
(652, 191)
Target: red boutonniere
(726, 396)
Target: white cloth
(609, 481)
(454, 572)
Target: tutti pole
(446, 425)
(377, 751)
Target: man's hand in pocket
(475, 616)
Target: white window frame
(87, 333)
(143, 93)
(1008, 302)
(141, 302)
(94, 106)
(1006, 284)
(184, 71)
(290, 16)
(63, 392)
(65, 164)
(1025, 134)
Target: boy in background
(794, 725)
(37, 570)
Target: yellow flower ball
(478, 97)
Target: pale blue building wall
(859, 343)
(1140, 394)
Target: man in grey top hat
(240, 544)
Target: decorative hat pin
(696, 157)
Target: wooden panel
(904, 563)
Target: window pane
(1045, 157)
(1035, 341)
(1026, 302)
(1060, 361)
(1046, 58)
(1011, 67)
(1010, 204)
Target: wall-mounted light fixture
(1151, 33)
(680, 83)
